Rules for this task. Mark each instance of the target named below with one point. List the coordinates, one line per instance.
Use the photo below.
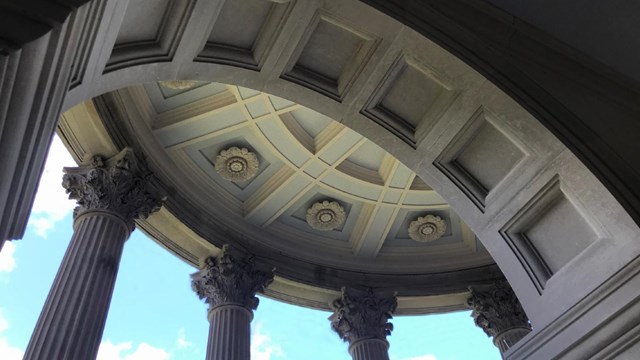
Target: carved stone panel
(330, 56)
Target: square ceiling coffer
(409, 100)
(480, 158)
(150, 32)
(548, 233)
(244, 43)
(330, 56)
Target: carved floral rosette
(427, 228)
(237, 164)
(326, 215)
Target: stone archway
(504, 208)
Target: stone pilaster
(498, 312)
(361, 318)
(38, 43)
(229, 283)
(111, 194)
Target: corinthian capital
(496, 309)
(119, 184)
(362, 314)
(230, 279)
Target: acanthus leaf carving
(362, 314)
(496, 309)
(119, 184)
(230, 278)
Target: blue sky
(155, 315)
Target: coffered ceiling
(304, 157)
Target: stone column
(498, 312)
(229, 283)
(111, 194)
(361, 318)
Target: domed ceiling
(323, 204)
(304, 158)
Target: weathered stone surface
(73, 318)
(119, 184)
(230, 279)
(362, 314)
(497, 311)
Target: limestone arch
(525, 291)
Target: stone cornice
(119, 184)
(496, 309)
(362, 314)
(230, 279)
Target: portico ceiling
(304, 158)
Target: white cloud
(4, 324)
(52, 203)
(262, 347)
(7, 261)
(122, 351)
(182, 342)
(7, 352)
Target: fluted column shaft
(229, 333)
(229, 283)
(71, 323)
(111, 194)
(369, 349)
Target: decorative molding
(362, 314)
(408, 128)
(322, 33)
(427, 228)
(88, 20)
(178, 84)
(230, 279)
(248, 47)
(118, 184)
(527, 249)
(469, 170)
(162, 47)
(237, 164)
(496, 309)
(326, 215)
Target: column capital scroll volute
(496, 309)
(363, 314)
(120, 184)
(231, 278)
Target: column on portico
(361, 317)
(229, 283)
(111, 194)
(498, 312)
